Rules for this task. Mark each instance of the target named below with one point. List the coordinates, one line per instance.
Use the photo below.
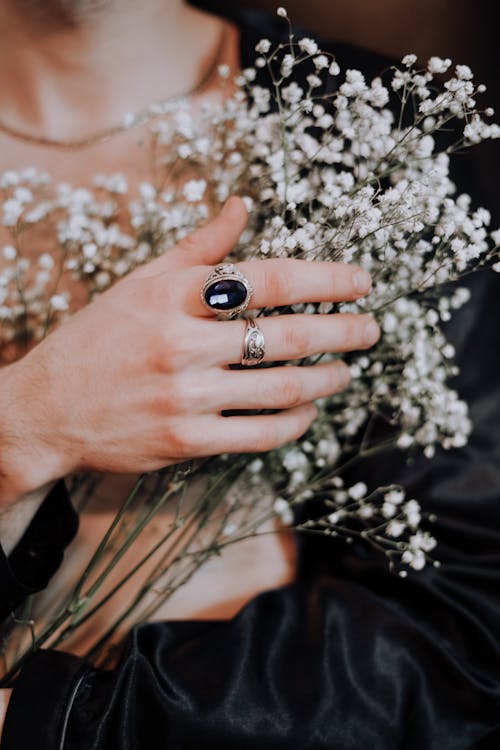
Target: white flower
(283, 510)
(313, 81)
(12, 210)
(395, 528)
(256, 466)
(395, 496)
(409, 60)
(412, 512)
(9, 252)
(388, 510)
(281, 12)
(320, 62)
(128, 119)
(224, 71)
(263, 46)
(334, 518)
(59, 302)
(194, 190)
(354, 83)
(405, 441)
(438, 65)
(147, 191)
(463, 72)
(341, 497)
(422, 540)
(294, 459)
(366, 511)
(415, 559)
(287, 65)
(46, 261)
(358, 491)
(308, 45)
(23, 195)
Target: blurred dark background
(464, 30)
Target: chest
(74, 222)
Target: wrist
(29, 460)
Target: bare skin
(143, 405)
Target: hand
(138, 379)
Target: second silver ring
(254, 344)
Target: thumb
(212, 242)
(205, 246)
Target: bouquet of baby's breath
(330, 169)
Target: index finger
(279, 282)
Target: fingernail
(361, 281)
(372, 331)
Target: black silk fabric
(350, 657)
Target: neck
(62, 80)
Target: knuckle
(268, 439)
(174, 397)
(157, 295)
(350, 332)
(339, 377)
(164, 402)
(178, 440)
(277, 282)
(281, 430)
(189, 243)
(296, 339)
(290, 390)
(173, 351)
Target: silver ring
(254, 345)
(226, 292)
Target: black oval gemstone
(225, 294)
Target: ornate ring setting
(254, 345)
(226, 291)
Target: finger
(279, 282)
(289, 337)
(278, 387)
(210, 435)
(215, 240)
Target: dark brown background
(464, 30)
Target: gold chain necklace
(129, 121)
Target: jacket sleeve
(39, 553)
